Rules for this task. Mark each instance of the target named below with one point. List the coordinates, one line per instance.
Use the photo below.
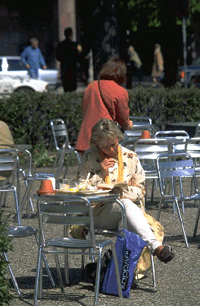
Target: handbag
(128, 246)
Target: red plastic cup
(46, 187)
(145, 134)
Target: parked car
(13, 66)
(192, 76)
(9, 85)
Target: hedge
(29, 114)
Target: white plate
(84, 192)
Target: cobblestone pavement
(178, 282)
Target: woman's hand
(107, 163)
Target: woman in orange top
(105, 99)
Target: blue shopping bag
(128, 249)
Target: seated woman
(108, 162)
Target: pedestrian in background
(158, 64)
(33, 59)
(67, 53)
(135, 65)
(105, 99)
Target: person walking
(158, 64)
(33, 59)
(67, 53)
(105, 99)
(135, 67)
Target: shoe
(164, 254)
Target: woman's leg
(137, 223)
(108, 216)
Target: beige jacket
(6, 142)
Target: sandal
(166, 254)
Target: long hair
(104, 129)
(115, 69)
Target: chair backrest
(197, 131)
(65, 211)
(137, 120)
(175, 166)
(150, 149)
(179, 135)
(60, 134)
(8, 162)
(192, 146)
(130, 136)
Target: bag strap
(103, 99)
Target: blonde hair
(104, 129)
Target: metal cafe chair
(69, 210)
(62, 146)
(8, 165)
(140, 120)
(175, 169)
(22, 231)
(131, 136)
(177, 137)
(192, 146)
(197, 131)
(148, 150)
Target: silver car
(13, 66)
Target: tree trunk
(105, 33)
(170, 46)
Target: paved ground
(178, 282)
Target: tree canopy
(148, 13)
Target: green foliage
(5, 296)
(166, 105)
(149, 12)
(28, 115)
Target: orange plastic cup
(46, 187)
(145, 134)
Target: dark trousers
(69, 80)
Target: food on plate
(105, 186)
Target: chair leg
(153, 270)
(97, 280)
(60, 162)
(152, 190)
(159, 210)
(30, 200)
(55, 162)
(66, 265)
(38, 279)
(196, 222)
(26, 194)
(59, 272)
(67, 166)
(78, 156)
(46, 264)
(116, 270)
(18, 208)
(12, 274)
(3, 199)
(181, 222)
